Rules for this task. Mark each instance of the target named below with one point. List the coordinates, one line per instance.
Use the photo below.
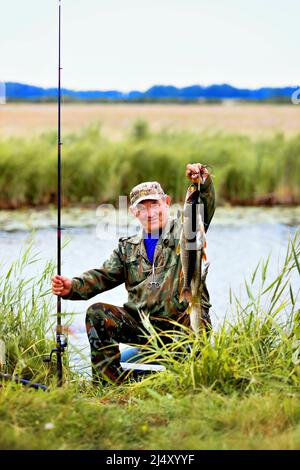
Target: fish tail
(186, 294)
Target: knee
(94, 312)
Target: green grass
(97, 170)
(206, 420)
(237, 388)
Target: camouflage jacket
(129, 264)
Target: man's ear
(168, 200)
(132, 211)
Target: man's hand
(194, 170)
(61, 285)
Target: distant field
(28, 119)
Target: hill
(19, 91)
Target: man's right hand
(61, 285)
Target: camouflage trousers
(108, 325)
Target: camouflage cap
(147, 190)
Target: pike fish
(192, 246)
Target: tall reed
(96, 170)
(26, 316)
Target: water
(237, 239)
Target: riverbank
(237, 389)
(122, 420)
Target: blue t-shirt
(150, 244)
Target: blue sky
(134, 44)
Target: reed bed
(264, 170)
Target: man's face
(152, 214)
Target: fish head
(192, 194)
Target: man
(149, 266)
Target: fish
(192, 250)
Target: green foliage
(26, 323)
(97, 170)
(140, 129)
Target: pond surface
(236, 240)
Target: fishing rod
(61, 342)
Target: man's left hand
(195, 170)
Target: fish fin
(204, 256)
(180, 280)
(186, 294)
(178, 249)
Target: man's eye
(141, 210)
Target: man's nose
(150, 211)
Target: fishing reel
(59, 350)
